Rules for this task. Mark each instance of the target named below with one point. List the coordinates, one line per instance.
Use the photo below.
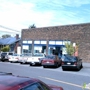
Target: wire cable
(9, 28)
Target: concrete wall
(79, 33)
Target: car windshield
(68, 58)
(4, 54)
(10, 53)
(15, 55)
(22, 55)
(50, 57)
(38, 55)
(28, 54)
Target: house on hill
(13, 42)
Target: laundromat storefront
(42, 46)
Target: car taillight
(43, 61)
(17, 58)
(52, 61)
(75, 63)
(62, 63)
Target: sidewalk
(86, 64)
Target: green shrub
(5, 49)
(69, 48)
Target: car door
(21, 57)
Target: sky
(20, 14)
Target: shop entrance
(54, 50)
(40, 49)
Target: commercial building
(50, 40)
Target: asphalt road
(69, 80)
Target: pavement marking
(61, 81)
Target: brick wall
(79, 33)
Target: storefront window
(40, 46)
(37, 49)
(51, 42)
(24, 41)
(40, 49)
(64, 42)
(29, 42)
(55, 48)
(59, 43)
(43, 42)
(26, 49)
(36, 42)
(51, 50)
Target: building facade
(50, 40)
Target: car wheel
(56, 65)
(2, 60)
(21, 62)
(81, 66)
(78, 68)
(30, 64)
(63, 69)
(44, 66)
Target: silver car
(24, 57)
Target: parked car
(52, 60)
(0, 56)
(35, 59)
(5, 55)
(71, 62)
(24, 58)
(14, 58)
(40, 59)
(12, 82)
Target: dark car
(11, 82)
(5, 56)
(52, 60)
(0, 56)
(71, 62)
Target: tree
(6, 36)
(5, 49)
(69, 48)
(32, 26)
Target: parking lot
(70, 80)
(85, 71)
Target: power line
(8, 28)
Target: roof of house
(9, 40)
